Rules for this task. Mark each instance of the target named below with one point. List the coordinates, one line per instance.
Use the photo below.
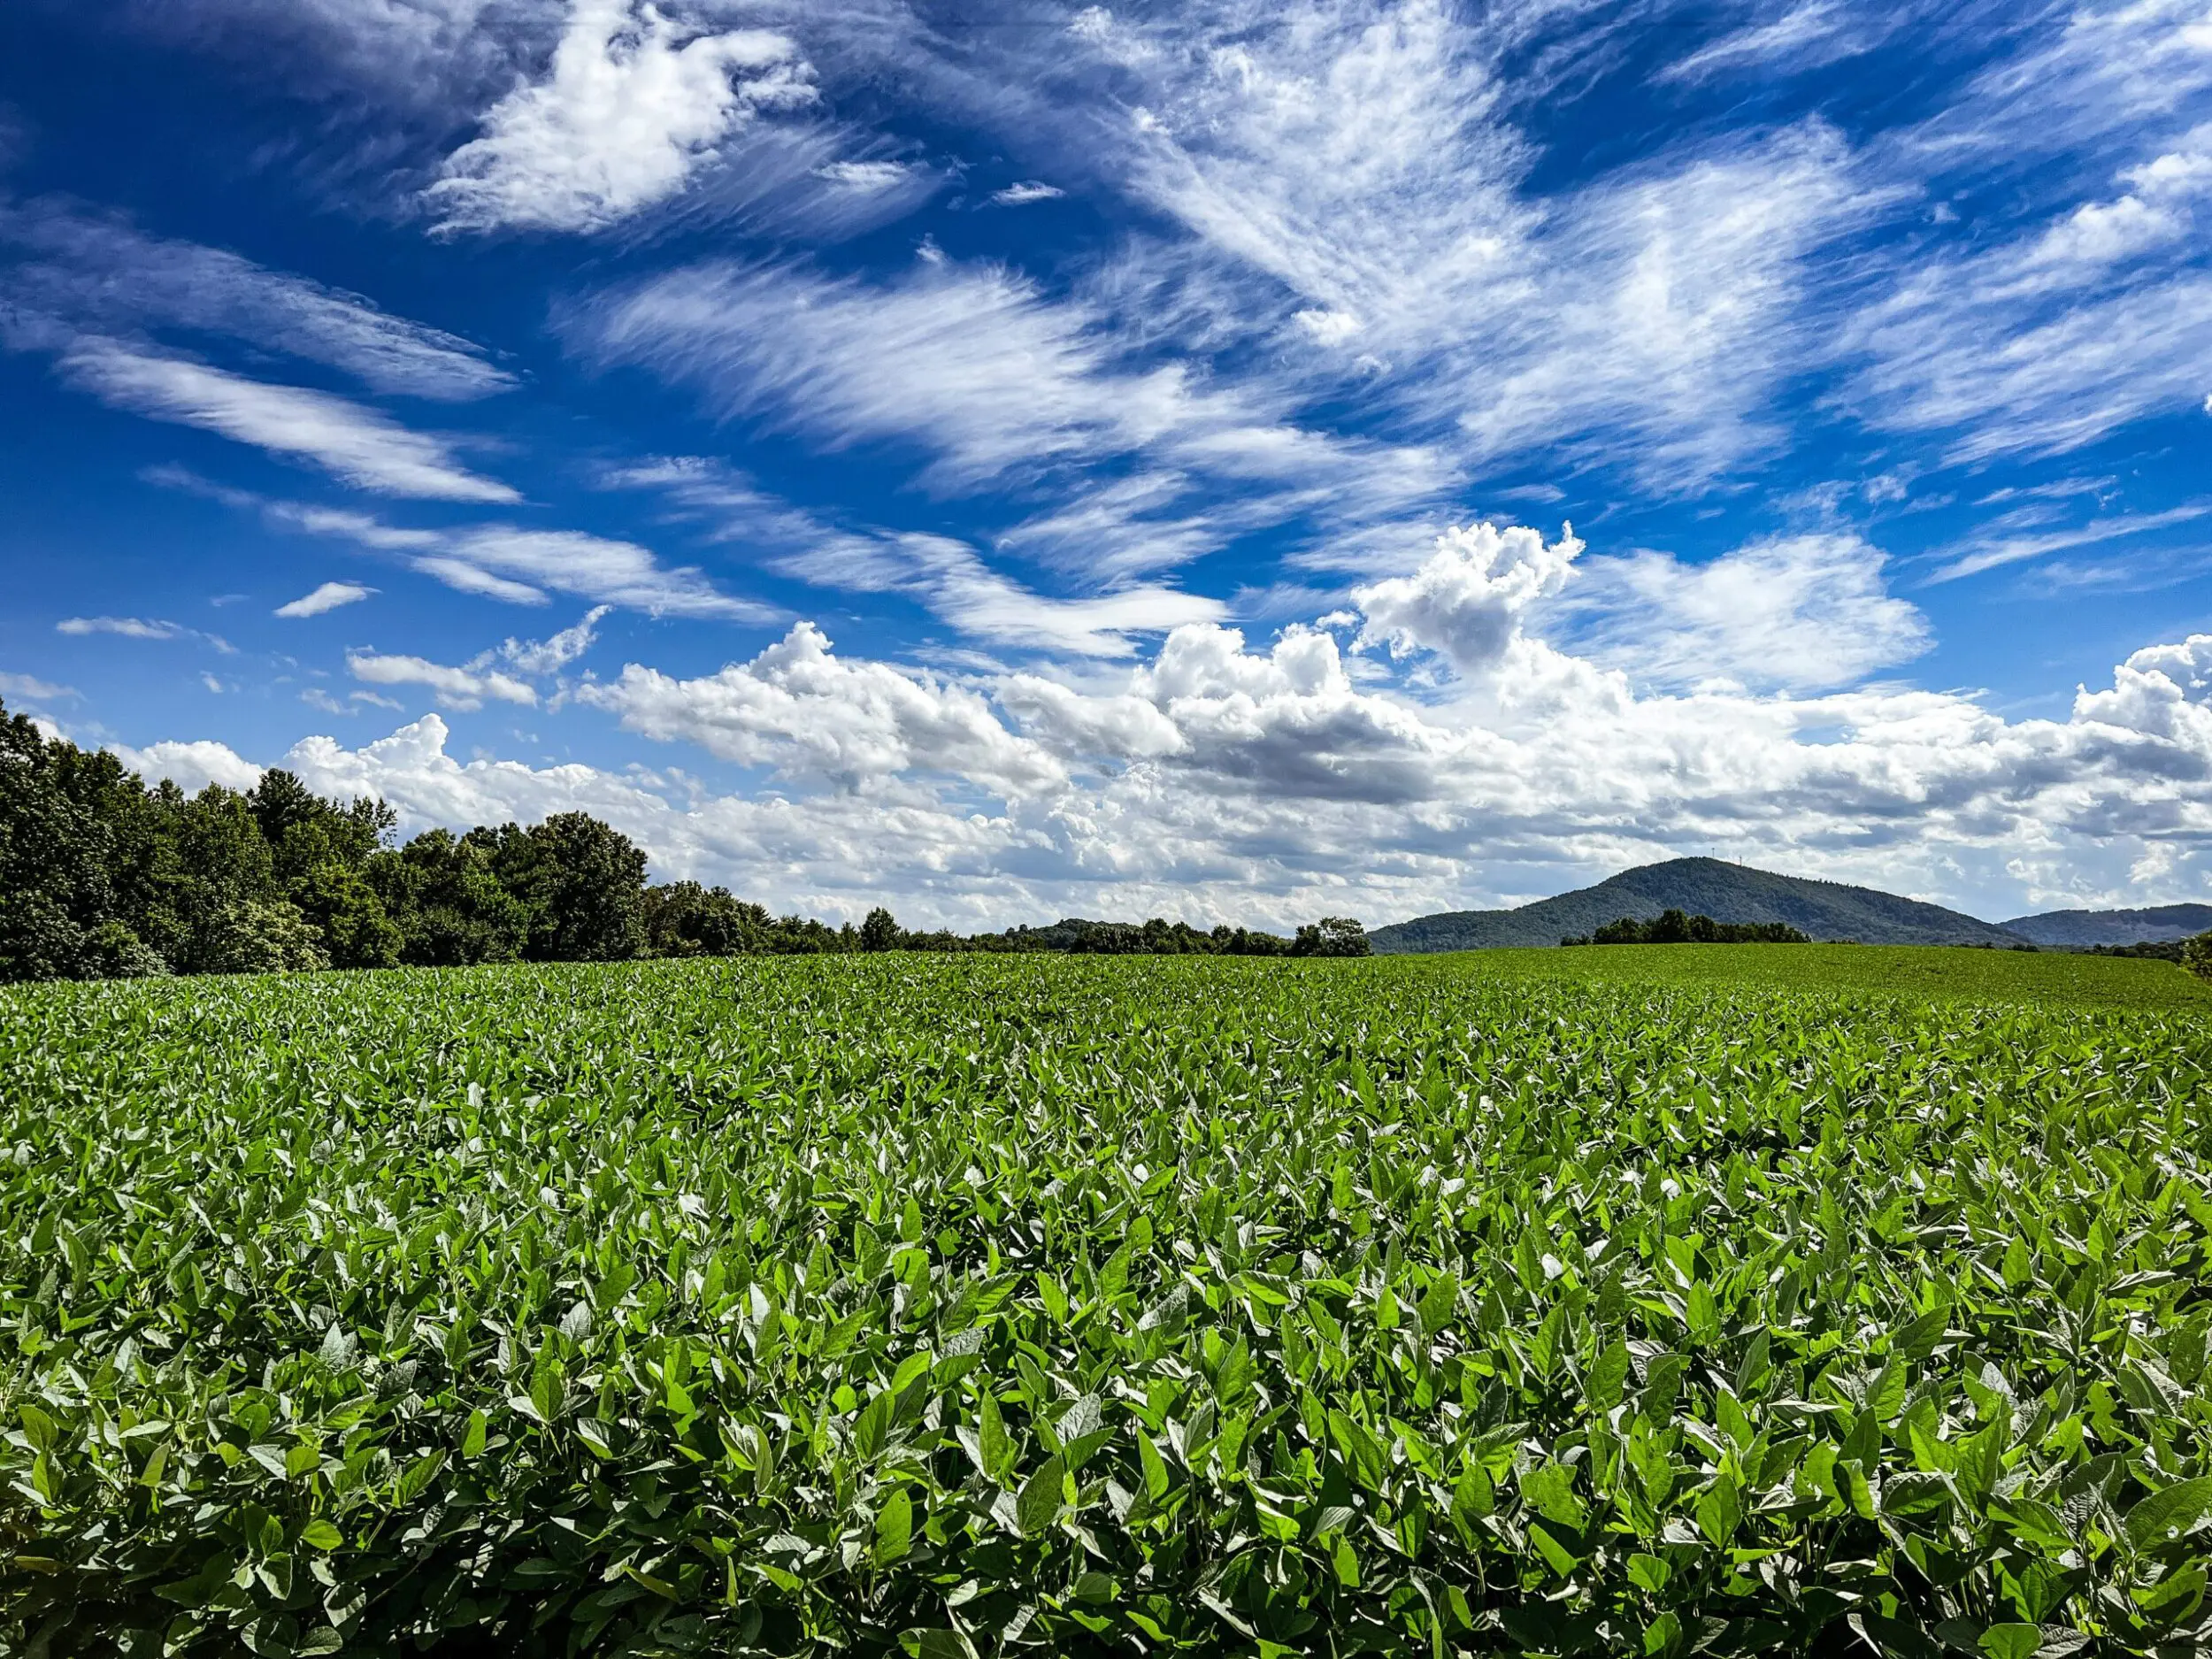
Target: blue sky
(1228, 461)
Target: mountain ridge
(1726, 891)
(2077, 930)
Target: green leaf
(872, 1427)
(478, 1430)
(1561, 1560)
(1365, 1455)
(1648, 1573)
(2170, 1511)
(996, 1446)
(1719, 1510)
(894, 1529)
(1438, 1304)
(2174, 1597)
(1156, 1480)
(1037, 1505)
(320, 1534)
(2011, 1642)
(1549, 1489)
(1608, 1375)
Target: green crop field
(1923, 971)
(1600, 1301)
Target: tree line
(1679, 927)
(103, 876)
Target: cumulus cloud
(462, 688)
(329, 596)
(356, 444)
(1467, 602)
(1222, 780)
(805, 712)
(634, 104)
(191, 766)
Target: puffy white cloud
(1467, 600)
(807, 713)
(191, 766)
(1221, 781)
(635, 104)
(329, 597)
(354, 443)
(456, 687)
(1807, 612)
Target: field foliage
(963, 1306)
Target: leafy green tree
(260, 936)
(54, 890)
(355, 930)
(582, 883)
(685, 919)
(2196, 955)
(1332, 936)
(447, 901)
(881, 931)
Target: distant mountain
(1703, 886)
(2077, 930)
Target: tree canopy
(104, 876)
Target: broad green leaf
(1037, 1505)
(2170, 1511)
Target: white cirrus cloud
(355, 444)
(551, 654)
(30, 688)
(591, 567)
(1025, 191)
(462, 688)
(127, 627)
(518, 565)
(634, 104)
(329, 597)
(100, 272)
(1809, 613)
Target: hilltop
(1707, 887)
